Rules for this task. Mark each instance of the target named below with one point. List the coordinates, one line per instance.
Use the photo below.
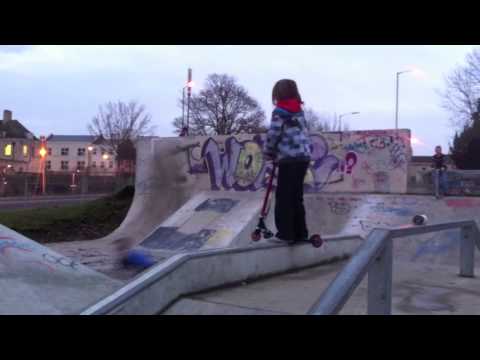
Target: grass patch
(85, 221)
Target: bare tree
(462, 90)
(323, 122)
(222, 107)
(120, 122)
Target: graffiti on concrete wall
(11, 248)
(356, 161)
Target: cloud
(14, 48)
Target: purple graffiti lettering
(323, 164)
(222, 166)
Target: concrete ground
(418, 288)
(97, 256)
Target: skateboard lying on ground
(262, 230)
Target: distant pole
(43, 156)
(396, 101)
(183, 107)
(346, 114)
(188, 101)
(396, 96)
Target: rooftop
(10, 128)
(67, 138)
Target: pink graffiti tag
(7, 244)
(351, 161)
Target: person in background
(439, 172)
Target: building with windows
(69, 153)
(18, 147)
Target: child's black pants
(289, 208)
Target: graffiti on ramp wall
(356, 161)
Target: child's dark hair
(285, 89)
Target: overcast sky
(57, 89)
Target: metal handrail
(375, 257)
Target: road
(15, 203)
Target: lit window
(25, 150)
(8, 150)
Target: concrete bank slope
(211, 219)
(36, 280)
(218, 219)
(358, 214)
(418, 289)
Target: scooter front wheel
(256, 235)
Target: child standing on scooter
(288, 144)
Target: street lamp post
(105, 157)
(342, 115)
(183, 107)
(189, 86)
(89, 164)
(396, 95)
(43, 153)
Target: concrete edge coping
(151, 276)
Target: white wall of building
(78, 157)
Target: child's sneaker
(279, 240)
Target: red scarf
(291, 105)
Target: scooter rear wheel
(316, 241)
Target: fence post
(379, 300)
(467, 252)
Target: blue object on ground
(139, 259)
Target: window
(94, 151)
(64, 165)
(103, 152)
(8, 150)
(64, 151)
(48, 165)
(94, 164)
(49, 151)
(80, 165)
(25, 150)
(81, 152)
(102, 165)
(110, 152)
(110, 165)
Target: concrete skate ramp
(218, 219)
(343, 214)
(36, 280)
(172, 170)
(209, 220)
